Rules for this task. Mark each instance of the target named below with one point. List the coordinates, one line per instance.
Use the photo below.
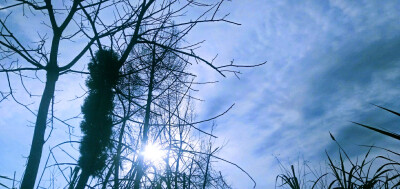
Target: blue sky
(327, 61)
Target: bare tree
(133, 23)
(166, 120)
(39, 59)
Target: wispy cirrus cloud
(326, 62)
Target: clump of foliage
(97, 109)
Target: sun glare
(154, 154)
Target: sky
(327, 61)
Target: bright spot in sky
(154, 153)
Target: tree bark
(83, 180)
(35, 153)
(146, 125)
(107, 177)
(118, 156)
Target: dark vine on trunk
(97, 109)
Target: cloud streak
(326, 62)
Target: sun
(153, 153)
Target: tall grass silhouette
(380, 171)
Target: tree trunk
(83, 180)
(118, 156)
(146, 125)
(184, 181)
(74, 176)
(107, 177)
(35, 153)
